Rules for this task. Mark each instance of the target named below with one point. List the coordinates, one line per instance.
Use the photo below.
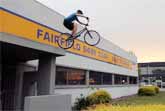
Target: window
(132, 80)
(163, 78)
(107, 78)
(76, 77)
(124, 80)
(69, 76)
(99, 78)
(94, 78)
(119, 79)
(61, 76)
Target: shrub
(147, 91)
(81, 103)
(156, 89)
(100, 96)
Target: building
(28, 35)
(152, 73)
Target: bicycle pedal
(78, 35)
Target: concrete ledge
(48, 103)
(12, 39)
(89, 86)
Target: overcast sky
(136, 25)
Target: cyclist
(69, 21)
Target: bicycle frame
(80, 32)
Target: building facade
(29, 32)
(152, 73)
(105, 66)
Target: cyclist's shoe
(78, 35)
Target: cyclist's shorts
(68, 25)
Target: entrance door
(30, 84)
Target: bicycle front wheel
(92, 37)
(65, 41)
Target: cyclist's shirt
(71, 18)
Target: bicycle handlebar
(86, 23)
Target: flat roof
(152, 64)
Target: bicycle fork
(89, 34)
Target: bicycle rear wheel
(65, 41)
(92, 37)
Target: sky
(133, 25)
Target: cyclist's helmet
(79, 11)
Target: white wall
(76, 61)
(115, 91)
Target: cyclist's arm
(81, 16)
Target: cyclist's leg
(74, 30)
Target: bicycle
(91, 37)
